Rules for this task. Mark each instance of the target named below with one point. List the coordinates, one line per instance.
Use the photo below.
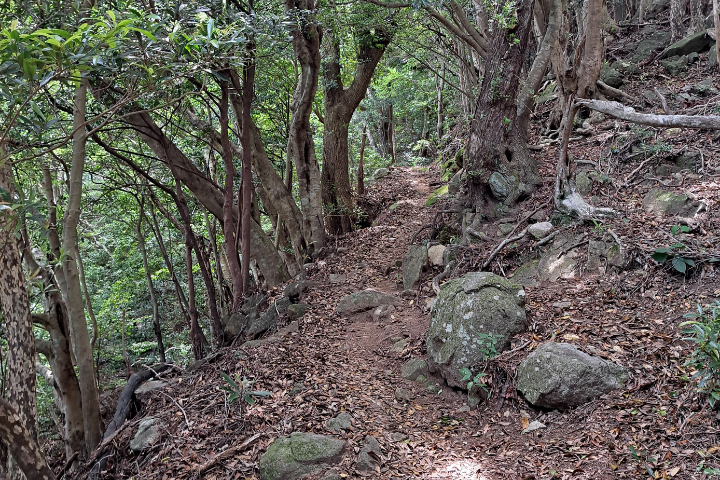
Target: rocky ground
(347, 368)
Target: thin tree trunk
(196, 337)
(182, 300)
(151, 287)
(126, 358)
(677, 12)
(361, 163)
(72, 293)
(228, 224)
(441, 90)
(246, 173)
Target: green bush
(704, 332)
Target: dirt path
(335, 363)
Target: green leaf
(659, 256)
(679, 264)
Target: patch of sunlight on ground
(461, 469)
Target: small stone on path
(413, 368)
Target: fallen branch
(642, 164)
(663, 102)
(229, 453)
(620, 111)
(502, 245)
(611, 92)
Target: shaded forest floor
(334, 364)
(656, 427)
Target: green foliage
(672, 252)
(240, 389)
(704, 332)
(487, 346)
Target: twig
(178, 405)
(575, 245)
(510, 352)
(228, 453)
(685, 421)
(642, 164)
(617, 240)
(502, 244)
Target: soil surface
(334, 363)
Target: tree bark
(231, 252)
(247, 96)
(151, 287)
(716, 22)
(499, 161)
(306, 39)
(340, 105)
(208, 193)
(361, 163)
(677, 12)
(22, 444)
(618, 110)
(20, 360)
(72, 294)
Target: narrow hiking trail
(326, 363)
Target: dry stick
(502, 244)
(642, 164)
(575, 245)
(228, 453)
(67, 466)
(177, 405)
(609, 91)
(663, 102)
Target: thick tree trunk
(677, 12)
(340, 105)
(499, 161)
(20, 360)
(306, 39)
(22, 444)
(72, 294)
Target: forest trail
(330, 363)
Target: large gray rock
(649, 45)
(381, 173)
(676, 64)
(558, 375)
(604, 252)
(369, 455)
(697, 43)
(147, 435)
(661, 202)
(237, 323)
(267, 320)
(476, 303)
(300, 454)
(413, 264)
(362, 301)
(540, 230)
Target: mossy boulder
(558, 375)
(465, 307)
(662, 202)
(696, 43)
(362, 301)
(611, 77)
(300, 454)
(649, 45)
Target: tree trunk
(20, 361)
(22, 444)
(440, 91)
(306, 39)
(697, 16)
(231, 253)
(72, 294)
(716, 21)
(207, 193)
(677, 12)
(361, 163)
(196, 336)
(340, 105)
(498, 159)
(247, 97)
(151, 288)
